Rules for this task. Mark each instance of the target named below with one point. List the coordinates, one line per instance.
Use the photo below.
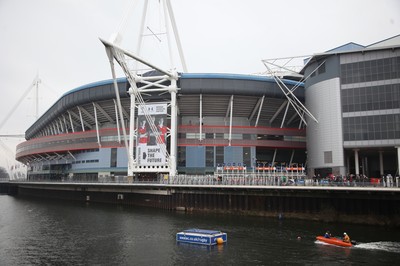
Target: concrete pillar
(173, 129)
(381, 170)
(398, 159)
(365, 166)
(356, 163)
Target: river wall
(376, 206)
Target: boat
(201, 237)
(335, 241)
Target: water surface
(49, 232)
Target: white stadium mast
(17, 170)
(163, 81)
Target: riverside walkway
(255, 181)
(350, 202)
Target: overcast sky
(59, 40)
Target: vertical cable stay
(142, 13)
(34, 83)
(120, 30)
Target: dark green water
(42, 232)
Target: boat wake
(328, 244)
(322, 243)
(383, 245)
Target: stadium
(154, 123)
(229, 121)
(222, 120)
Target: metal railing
(251, 179)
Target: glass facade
(219, 155)
(181, 157)
(209, 156)
(372, 70)
(371, 98)
(371, 127)
(379, 104)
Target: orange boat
(334, 241)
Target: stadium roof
(389, 43)
(215, 88)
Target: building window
(322, 68)
(182, 156)
(327, 156)
(92, 161)
(195, 135)
(374, 127)
(372, 70)
(233, 136)
(247, 136)
(371, 98)
(209, 135)
(247, 156)
(113, 158)
(209, 156)
(219, 135)
(219, 155)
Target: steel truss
(277, 68)
(164, 81)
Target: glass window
(195, 135)
(371, 127)
(387, 68)
(233, 136)
(209, 156)
(247, 156)
(371, 98)
(322, 69)
(181, 156)
(327, 156)
(247, 136)
(209, 135)
(219, 155)
(113, 158)
(219, 135)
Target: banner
(148, 148)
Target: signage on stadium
(149, 148)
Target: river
(49, 232)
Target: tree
(3, 174)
